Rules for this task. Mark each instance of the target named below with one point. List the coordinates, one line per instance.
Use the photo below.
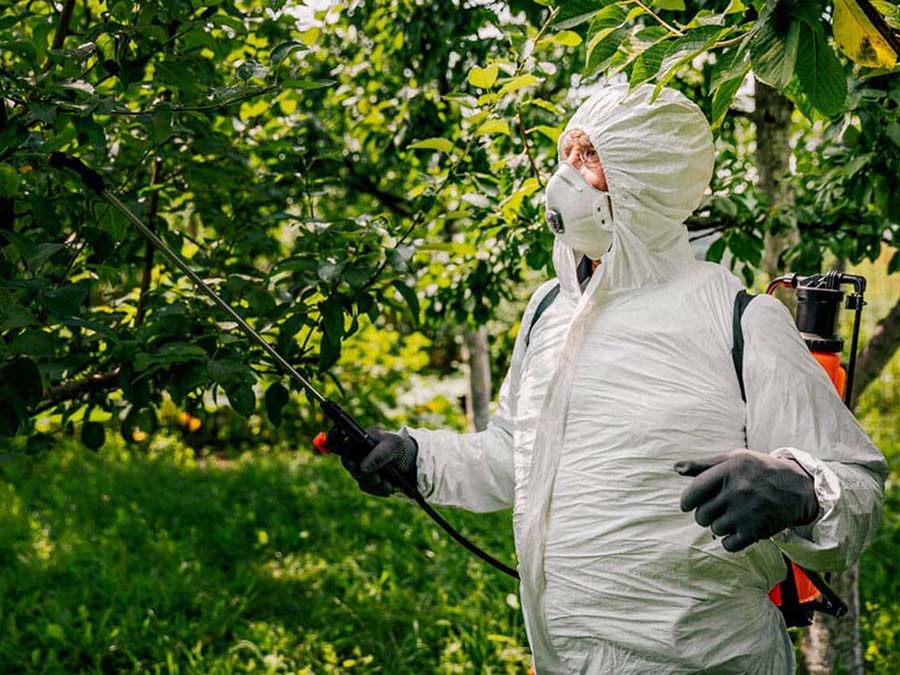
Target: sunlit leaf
(483, 78)
(859, 38)
(439, 144)
(492, 127)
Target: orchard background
(363, 181)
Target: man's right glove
(398, 450)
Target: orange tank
(806, 590)
(831, 362)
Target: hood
(658, 159)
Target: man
(623, 414)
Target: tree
(368, 164)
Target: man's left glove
(745, 496)
(399, 450)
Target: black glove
(398, 450)
(747, 496)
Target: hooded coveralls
(619, 381)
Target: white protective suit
(618, 383)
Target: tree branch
(65, 17)
(534, 169)
(363, 182)
(70, 390)
(259, 91)
(148, 256)
(662, 23)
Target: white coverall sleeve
(475, 471)
(793, 410)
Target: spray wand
(347, 433)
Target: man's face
(578, 151)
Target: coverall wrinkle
(621, 379)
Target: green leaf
(332, 319)
(723, 97)
(669, 5)
(773, 48)
(282, 51)
(93, 435)
(492, 127)
(161, 123)
(566, 38)
(576, 12)
(894, 264)
(526, 80)
(242, 400)
(439, 144)
(683, 50)
(716, 250)
(602, 50)
(647, 64)
(22, 376)
(412, 300)
(307, 84)
(483, 78)
(9, 181)
(41, 253)
(820, 73)
(276, 397)
(67, 299)
(229, 373)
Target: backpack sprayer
(346, 432)
(818, 302)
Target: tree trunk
(828, 644)
(772, 117)
(478, 357)
(880, 348)
(834, 645)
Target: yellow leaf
(310, 36)
(858, 37)
(483, 78)
(552, 133)
(520, 82)
(249, 110)
(566, 38)
(288, 105)
(440, 144)
(493, 127)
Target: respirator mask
(579, 214)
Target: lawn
(276, 562)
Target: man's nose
(574, 157)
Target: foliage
(358, 165)
(210, 119)
(111, 564)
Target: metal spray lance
(346, 431)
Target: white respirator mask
(579, 214)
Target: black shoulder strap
(545, 302)
(741, 300)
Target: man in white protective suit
(651, 505)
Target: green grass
(110, 563)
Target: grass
(273, 563)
